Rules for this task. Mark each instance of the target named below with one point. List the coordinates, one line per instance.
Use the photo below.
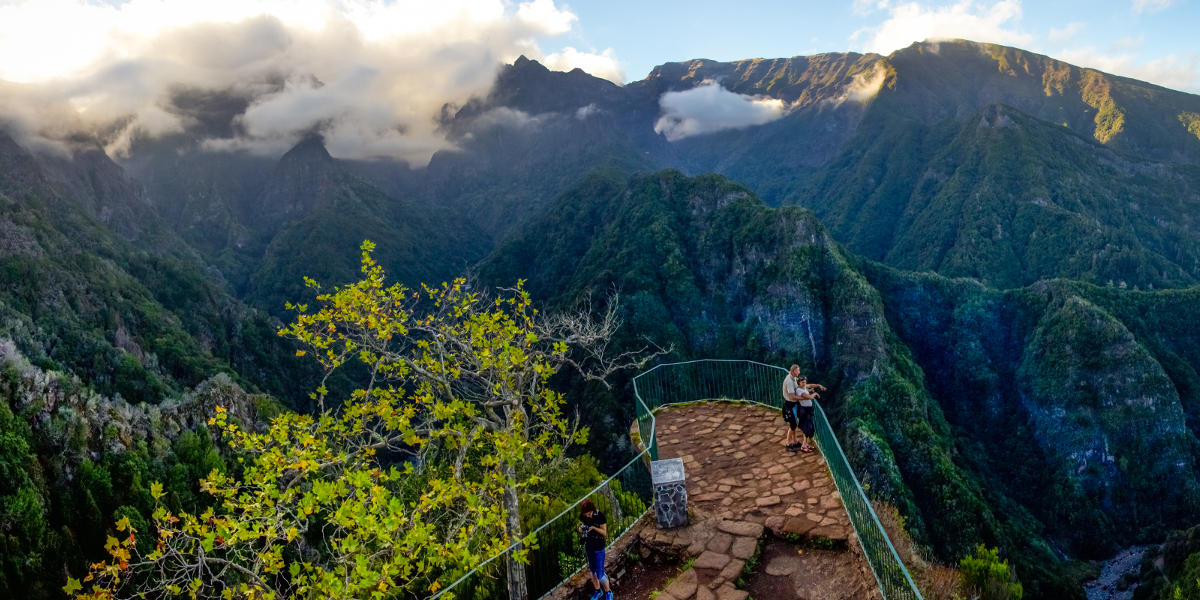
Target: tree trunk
(518, 587)
(614, 512)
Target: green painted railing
(749, 381)
(555, 556)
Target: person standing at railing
(791, 407)
(806, 392)
(593, 528)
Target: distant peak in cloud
(257, 75)
(603, 65)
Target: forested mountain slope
(1052, 420)
(139, 315)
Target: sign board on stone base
(670, 492)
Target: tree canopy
(409, 481)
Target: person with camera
(593, 530)
(807, 393)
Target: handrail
(632, 480)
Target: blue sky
(1156, 40)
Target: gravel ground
(1105, 587)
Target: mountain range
(988, 255)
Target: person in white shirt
(791, 408)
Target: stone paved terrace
(738, 471)
(743, 489)
(738, 468)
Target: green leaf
(72, 586)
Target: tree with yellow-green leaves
(416, 477)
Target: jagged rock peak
(312, 147)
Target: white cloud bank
(370, 75)
(911, 22)
(603, 65)
(709, 107)
(1180, 72)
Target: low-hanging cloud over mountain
(371, 76)
(709, 107)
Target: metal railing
(758, 383)
(555, 554)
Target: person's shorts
(595, 559)
(805, 420)
(791, 414)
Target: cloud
(1141, 6)
(710, 107)
(1058, 35)
(603, 65)
(583, 112)
(1180, 72)
(866, 7)
(370, 75)
(912, 22)
(865, 85)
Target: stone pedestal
(670, 493)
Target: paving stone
(798, 526)
(713, 561)
(728, 592)
(741, 528)
(684, 586)
(720, 543)
(731, 571)
(703, 593)
(775, 522)
(743, 547)
(782, 566)
(767, 501)
(831, 532)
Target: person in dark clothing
(594, 530)
(806, 392)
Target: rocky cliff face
(74, 461)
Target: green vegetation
(992, 402)
(988, 576)
(940, 388)
(73, 463)
(417, 477)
